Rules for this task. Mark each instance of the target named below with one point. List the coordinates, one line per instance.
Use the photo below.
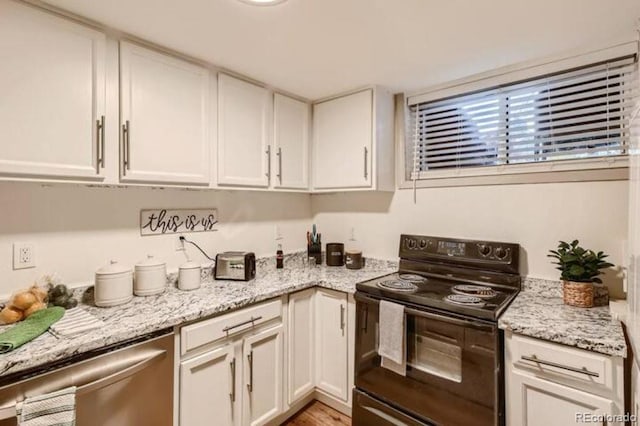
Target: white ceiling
(315, 48)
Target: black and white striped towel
(75, 321)
(56, 408)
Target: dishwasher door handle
(133, 365)
(122, 374)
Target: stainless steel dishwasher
(129, 384)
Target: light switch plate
(23, 256)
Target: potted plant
(579, 269)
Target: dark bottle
(279, 257)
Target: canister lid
(190, 265)
(150, 261)
(113, 268)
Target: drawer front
(562, 363)
(204, 332)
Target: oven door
(453, 371)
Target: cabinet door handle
(250, 359)
(342, 317)
(582, 370)
(268, 152)
(100, 143)
(232, 395)
(125, 144)
(279, 154)
(366, 162)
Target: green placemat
(29, 329)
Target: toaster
(235, 265)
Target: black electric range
(453, 292)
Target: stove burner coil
(465, 300)
(413, 278)
(398, 285)
(475, 290)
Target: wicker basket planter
(584, 295)
(577, 294)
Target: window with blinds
(574, 115)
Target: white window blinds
(580, 114)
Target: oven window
(430, 354)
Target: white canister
(114, 285)
(151, 277)
(189, 276)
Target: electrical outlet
(353, 234)
(23, 256)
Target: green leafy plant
(578, 264)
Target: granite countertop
(538, 311)
(174, 307)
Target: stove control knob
(501, 253)
(484, 250)
(423, 243)
(411, 243)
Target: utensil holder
(314, 250)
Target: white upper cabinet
(244, 153)
(164, 118)
(52, 96)
(291, 143)
(353, 142)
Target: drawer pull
(582, 370)
(249, 321)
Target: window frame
(590, 169)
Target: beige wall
(77, 229)
(534, 215)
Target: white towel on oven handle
(391, 331)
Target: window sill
(498, 176)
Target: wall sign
(174, 221)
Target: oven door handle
(449, 320)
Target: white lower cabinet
(331, 343)
(236, 376)
(538, 402)
(208, 389)
(548, 384)
(263, 357)
(251, 367)
(301, 345)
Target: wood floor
(318, 414)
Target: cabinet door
(291, 143)
(52, 102)
(342, 141)
(263, 359)
(208, 390)
(535, 402)
(244, 153)
(301, 344)
(331, 343)
(165, 118)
